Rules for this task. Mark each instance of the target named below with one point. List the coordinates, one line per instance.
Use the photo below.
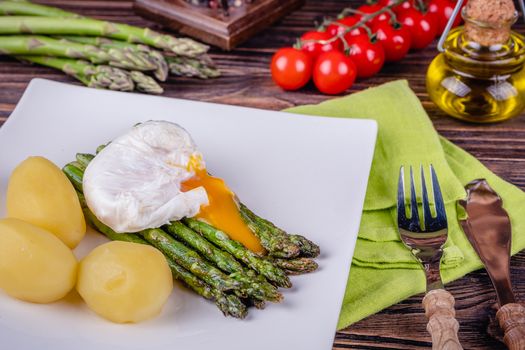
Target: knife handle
(511, 318)
(442, 324)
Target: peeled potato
(39, 193)
(34, 264)
(125, 282)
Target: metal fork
(425, 240)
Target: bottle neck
(488, 33)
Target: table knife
(488, 229)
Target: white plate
(307, 174)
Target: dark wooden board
(246, 81)
(212, 26)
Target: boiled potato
(34, 264)
(125, 282)
(39, 193)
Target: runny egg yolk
(222, 211)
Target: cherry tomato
(442, 10)
(368, 56)
(368, 9)
(423, 28)
(291, 68)
(334, 72)
(334, 29)
(314, 49)
(404, 6)
(395, 41)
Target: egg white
(134, 183)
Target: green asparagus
(200, 67)
(296, 266)
(91, 27)
(189, 259)
(228, 304)
(307, 248)
(276, 246)
(220, 239)
(102, 77)
(145, 83)
(39, 45)
(151, 55)
(25, 8)
(252, 287)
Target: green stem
(91, 27)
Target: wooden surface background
(246, 81)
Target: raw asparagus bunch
(102, 43)
(96, 76)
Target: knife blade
(488, 229)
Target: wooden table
(246, 81)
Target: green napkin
(383, 271)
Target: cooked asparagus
(229, 304)
(251, 286)
(91, 27)
(189, 259)
(220, 239)
(306, 247)
(276, 246)
(101, 76)
(297, 265)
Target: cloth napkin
(383, 271)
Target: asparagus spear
(92, 27)
(189, 259)
(228, 304)
(25, 8)
(39, 45)
(145, 83)
(296, 266)
(220, 239)
(200, 67)
(102, 77)
(252, 287)
(151, 55)
(307, 248)
(276, 246)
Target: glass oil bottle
(480, 75)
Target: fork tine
(438, 197)
(401, 213)
(414, 216)
(427, 214)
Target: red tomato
(314, 49)
(334, 72)
(368, 57)
(291, 68)
(442, 10)
(369, 9)
(334, 29)
(423, 28)
(395, 41)
(404, 6)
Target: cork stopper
(488, 22)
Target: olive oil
(478, 82)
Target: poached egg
(154, 174)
